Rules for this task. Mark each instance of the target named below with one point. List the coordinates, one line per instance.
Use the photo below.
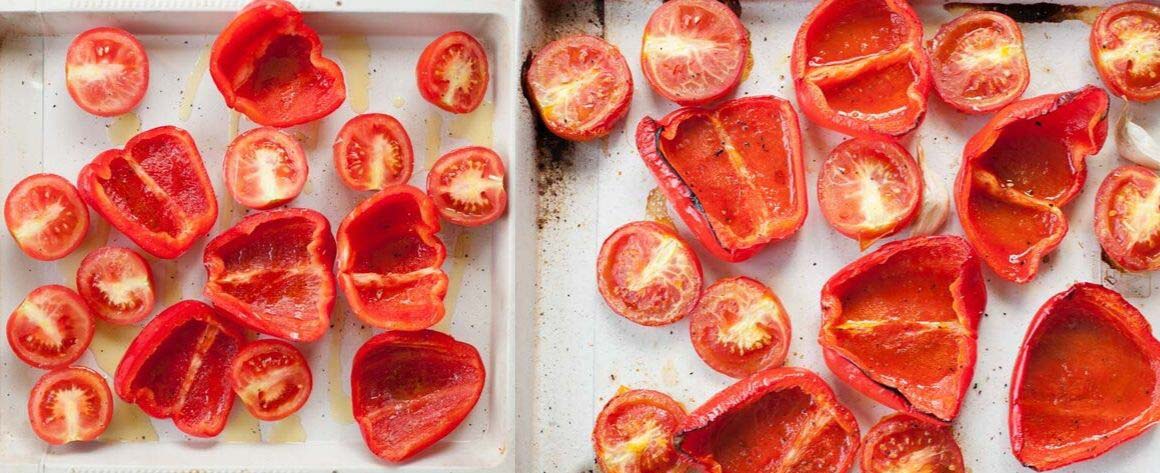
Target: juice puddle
(340, 407)
(235, 117)
(166, 282)
(475, 127)
(192, 83)
(434, 137)
(460, 256)
(355, 55)
(288, 430)
(123, 127)
(656, 207)
(129, 424)
(97, 237)
(399, 101)
(242, 426)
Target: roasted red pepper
(273, 273)
(1020, 170)
(390, 260)
(155, 191)
(179, 367)
(268, 64)
(901, 324)
(734, 173)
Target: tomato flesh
(51, 328)
(452, 72)
(265, 168)
(106, 71)
(117, 284)
(1126, 219)
(694, 51)
(1125, 47)
(467, 186)
(648, 274)
(70, 405)
(739, 327)
(44, 213)
(271, 378)
(581, 86)
(372, 152)
(979, 64)
(869, 189)
(634, 433)
(899, 443)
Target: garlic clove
(936, 201)
(1134, 143)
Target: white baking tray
(41, 130)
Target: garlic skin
(936, 201)
(1134, 143)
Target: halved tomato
(694, 51)
(265, 168)
(46, 216)
(467, 187)
(372, 152)
(51, 329)
(739, 327)
(1126, 218)
(869, 189)
(271, 378)
(648, 274)
(979, 61)
(580, 85)
(70, 405)
(452, 72)
(106, 71)
(902, 443)
(117, 285)
(1125, 45)
(634, 433)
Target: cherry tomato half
(648, 274)
(452, 72)
(979, 64)
(634, 433)
(869, 189)
(265, 168)
(71, 404)
(51, 328)
(467, 187)
(901, 442)
(694, 51)
(106, 71)
(117, 284)
(272, 378)
(739, 327)
(46, 216)
(1125, 44)
(1126, 223)
(373, 152)
(581, 86)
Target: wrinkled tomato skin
(580, 50)
(261, 357)
(718, 328)
(122, 263)
(1144, 21)
(709, 14)
(26, 197)
(1112, 219)
(950, 37)
(72, 319)
(626, 301)
(92, 423)
(628, 416)
(431, 83)
(897, 441)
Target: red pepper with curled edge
(273, 273)
(390, 260)
(911, 299)
(1020, 170)
(178, 367)
(268, 64)
(155, 191)
(734, 172)
(1087, 379)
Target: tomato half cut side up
(648, 274)
(739, 327)
(778, 419)
(44, 213)
(581, 87)
(694, 52)
(452, 72)
(900, 324)
(869, 189)
(1018, 172)
(634, 433)
(1124, 41)
(1125, 218)
(272, 379)
(467, 186)
(372, 152)
(117, 284)
(1085, 379)
(900, 442)
(51, 328)
(978, 62)
(265, 168)
(106, 71)
(410, 389)
(71, 404)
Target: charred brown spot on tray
(1031, 12)
(734, 5)
(553, 158)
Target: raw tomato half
(900, 324)
(452, 72)
(902, 443)
(46, 216)
(51, 328)
(70, 405)
(467, 186)
(372, 151)
(869, 189)
(1125, 45)
(1085, 380)
(648, 274)
(580, 85)
(734, 173)
(106, 71)
(1126, 218)
(265, 168)
(634, 433)
(979, 64)
(1020, 170)
(271, 378)
(740, 327)
(117, 284)
(694, 51)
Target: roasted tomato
(467, 187)
(452, 72)
(410, 389)
(265, 168)
(979, 64)
(858, 67)
(45, 215)
(1086, 379)
(106, 71)
(740, 327)
(155, 191)
(390, 260)
(272, 379)
(372, 152)
(1124, 43)
(70, 405)
(869, 189)
(901, 443)
(734, 173)
(785, 419)
(900, 324)
(179, 367)
(268, 64)
(580, 85)
(1020, 170)
(51, 328)
(116, 284)
(634, 433)
(694, 51)
(648, 274)
(1126, 223)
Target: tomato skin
(93, 421)
(628, 417)
(562, 63)
(889, 443)
(27, 200)
(359, 137)
(410, 389)
(718, 313)
(434, 85)
(898, 183)
(692, 14)
(1125, 192)
(123, 270)
(450, 173)
(254, 360)
(119, 44)
(68, 314)
(262, 86)
(996, 31)
(636, 244)
(1130, 19)
(291, 171)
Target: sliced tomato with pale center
(869, 189)
(902, 443)
(372, 151)
(106, 71)
(467, 186)
(581, 85)
(71, 404)
(117, 285)
(694, 51)
(265, 168)
(634, 433)
(452, 72)
(44, 213)
(1127, 218)
(648, 274)
(51, 328)
(272, 379)
(739, 326)
(979, 64)
(1125, 46)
